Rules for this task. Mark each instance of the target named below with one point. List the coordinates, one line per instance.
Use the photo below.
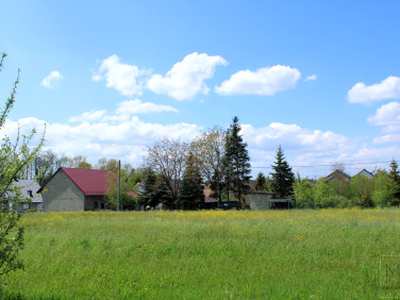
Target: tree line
(381, 190)
(177, 172)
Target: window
(30, 193)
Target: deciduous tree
(14, 156)
(167, 157)
(208, 148)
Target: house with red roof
(71, 189)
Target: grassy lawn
(318, 254)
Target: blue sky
(320, 78)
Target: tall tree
(394, 174)
(167, 157)
(14, 156)
(191, 190)
(282, 178)
(236, 163)
(152, 190)
(208, 148)
(260, 183)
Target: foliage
(236, 163)
(282, 178)
(14, 156)
(167, 157)
(208, 148)
(260, 184)
(385, 190)
(152, 190)
(361, 190)
(303, 193)
(127, 185)
(191, 190)
(322, 193)
(47, 163)
(394, 174)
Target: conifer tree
(394, 174)
(282, 178)
(260, 182)
(154, 190)
(236, 163)
(191, 189)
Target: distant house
(338, 175)
(365, 173)
(28, 188)
(72, 189)
(209, 200)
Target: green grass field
(318, 254)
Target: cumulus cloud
(264, 81)
(293, 136)
(51, 81)
(388, 139)
(127, 139)
(139, 107)
(389, 88)
(90, 116)
(186, 78)
(388, 116)
(121, 77)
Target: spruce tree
(154, 190)
(191, 189)
(260, 182)
(394, 174)
(282, 178)
(236, 163)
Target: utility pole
(119, 186)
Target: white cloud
(90, 116)
(295, 137)
(127, 139)
(51, 81)
(263, 81)
(186, 78)
(311, 78)
(139, 107)
(388, 139)
(387, 89)
(119, 76)
(388, 116)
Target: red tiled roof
(90, 182)
(208, 196)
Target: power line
(343, 164)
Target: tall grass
(209, 254)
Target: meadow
(305, 254)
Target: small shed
(71, 189)
(263, 200)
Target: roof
(338, 175)
(90, 182)
(28, 189)
(208, 198)
(365, 173)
